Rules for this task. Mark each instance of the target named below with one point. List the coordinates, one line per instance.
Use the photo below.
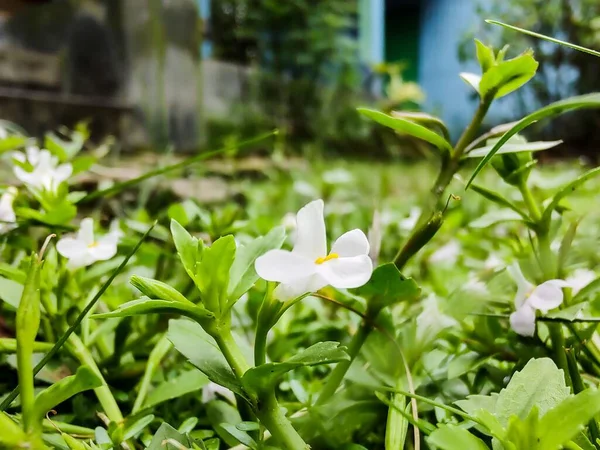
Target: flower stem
(270, 414)
(260, 345)
(449, 167)
(103, 393)
(231, 351)
(337, 375)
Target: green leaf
(494, 217)
(147, 305)
(425, 119)
(135, 428)
(11, 143)
(474, 403)
(240, 436)
(189, 381)
(562, 423)
(213, 273)
(407, 127)
(507, 76)
(12, 436)
(221, 413)
(554, 109)
(498, 199)
(10, 292)
(83, 380)
(158, 290)
(266, 375)
(547, 38)
(165, 433)
(242, 275)
(472, 79)
(567, 189)
(537, 146)
(523, 433)
(188, 247)
(485, 56)
(203, 352)
(540, 383)
(65, 150)
(388, 286)
(449, 437)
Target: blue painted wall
(443, 25)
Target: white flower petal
(524, 287)
(346, 273)
(86, 231)
(283, 266)
(352, 243)
(103, 250)
(548, 295)
(26, 177)
(70, 247)
(63, 172)
(311, 239)
(522, 321)
(580, 278)
(81, 260)
(210, 391)
(289, 291)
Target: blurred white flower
(7, 213)
(304, 188)
(580, 278)
(46, 173)
(375, 235)
(83, 249)
(476, 286)
(446, 254)
(493, 262)
(431, 321)
(308, 267)
(411, 221)
(210, 391)
(529, 298)
(337, 176)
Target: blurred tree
(563, 72)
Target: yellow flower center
(329, 257)
(93, 244)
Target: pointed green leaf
(540, 383)
(482, 152)
(547, 38)
(266, 375)
(83, 380)
(507, 76)
(472, 79)
(157, 289)
(12, 436)
(562, 423)
(147, 305)
(554, 109)
(498, 199)
(425, 119)
(242, 275)
(188, 247)
(485, 56)
(449, 437)
(241, 436)
(203, 352)
(190, 381)
(135, 428)
(165, 433)
(407, 127)
(213, 273)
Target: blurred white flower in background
(305, 188)
(308, 267)
(431, 321)
(493, 262)
(580, 278)
(411, 221)
(84, 249)
(447, 254)
(210, 391)
(375, 236)
(337, 176)
(7, 213)
(46, 172)
(529, 298)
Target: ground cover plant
(326, 307)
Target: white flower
(493, 262)
(210, 391)
(308, 267)
(580, 278)
(529, 298)
(375, 237)
(411, 221)
(7, 213)
(84, 249)
(446, 254)
(304, 188)
(46, 173)
(476, 286)
(431, 321)
(337, 176)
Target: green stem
(270, 414)
(260, 345)
(103, 393)
(449, 167)
(232, 352)
(337, 375)
(156, 356)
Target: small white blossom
(210, 391)
(580, 278)
(46, 173)
(7, 213)
(304, 188)
(83, 249)
(309, 267)
(529, 298)
(446, 254)
(337, 176)
(493, 262)
(411, 221)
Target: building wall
(443, 26)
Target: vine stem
(270, 414)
